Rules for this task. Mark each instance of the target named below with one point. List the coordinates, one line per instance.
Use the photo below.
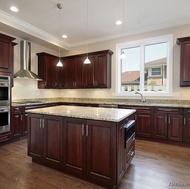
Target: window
(156, 72)
(147, 67)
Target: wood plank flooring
(155, 166)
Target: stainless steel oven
(4, 103)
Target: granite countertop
(95, 113)
(132, 102)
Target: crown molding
(31, 30)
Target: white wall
(28, 89)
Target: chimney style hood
(25, 62)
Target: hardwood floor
(155, 166)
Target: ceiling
(38, 21)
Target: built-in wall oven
(4, 103)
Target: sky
(152, 52)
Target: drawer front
(145, 109)
(168, 110)
(16, 109)
(187, 111)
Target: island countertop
(95, 113)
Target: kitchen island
(86, 142)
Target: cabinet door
(79, 63)
(185, 65)
(6, 53)
(160, 126)
(24, 129)
(47, 70)
(88, 73)
(144, 124)
(52, 139)
(35, 136)
(16, 123)
(101, 153)
(60, 77)
(102, 71)
(70, 64)
(74, 147)
(186, 133)
(175, 127)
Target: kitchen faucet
(142, 99)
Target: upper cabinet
(184, 61)
(6, 55)
(48, 71)
(98, 73)
(74, 73)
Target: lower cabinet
(89, 148)
(44, 139)
(168, 124)
(144, 120)
(16, 121)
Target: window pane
(130, 69)
(155, 67)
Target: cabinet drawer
(129, 154)
(168, 110)
(16, 109)
(187, 111)
(145, 109)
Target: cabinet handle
(40, 123)
(21, 117)
(184, 121)
(82, 129)
(165, 119)
(86, 130)
(168, 119)
(43, 123)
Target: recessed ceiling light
(119, 22)
(14, 9)
(64, 36)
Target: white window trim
(165, 38)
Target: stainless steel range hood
(25, 62)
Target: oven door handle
(129, 124)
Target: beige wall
(28, 89)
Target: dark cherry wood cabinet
(184, 43)
(16, 121)
(98, 73)
(186, 133)
(144, 120)
(19, 118)
(47, 70)
(91, 149)
(168, 123)
(74, 145)
(7, 56)
(74, 67)
(74, 73)
(44, 139)
(60, 81)
(95, 158)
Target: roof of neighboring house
(130, 76)
(160, 61)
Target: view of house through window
(145, 67)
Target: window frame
(144, 42)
